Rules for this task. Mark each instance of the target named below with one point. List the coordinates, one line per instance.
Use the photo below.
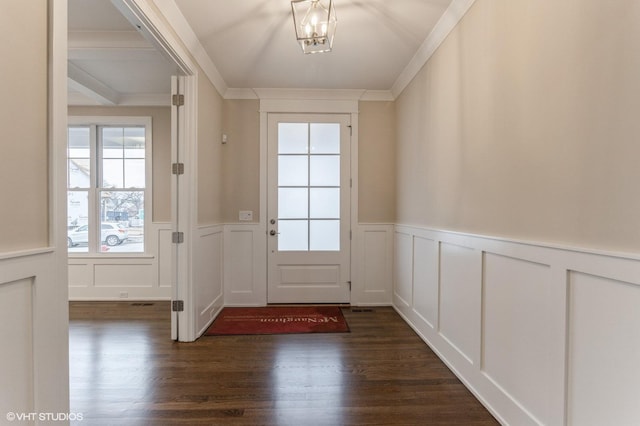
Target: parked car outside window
(112, 234)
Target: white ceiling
(251, 44)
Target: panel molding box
(208, 275)
(245, 265)
(128, 277)
(542, 335)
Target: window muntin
(309, 186)
(108, 187)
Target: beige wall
(161, 148)
(241, 159)
(209, 153)
(376, 162)
(24, 164)
(524, 124)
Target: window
(108, 183)
(309, 186)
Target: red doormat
(279, 320)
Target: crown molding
(107, 40)
(237, 93)
(312, 94)
(77, 98)
(176, 20)
(454, 13)
(171, 12)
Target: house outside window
(108, 184)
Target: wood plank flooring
(125, 370)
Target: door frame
(312, 102)
(158, 31)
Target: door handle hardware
(273, 232)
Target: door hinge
(351, 183)
(177, 168)
(177, 306)
(350, 234)
(350, 130)
(177, 100)
(177, 237)
(349, 282)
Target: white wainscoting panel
(604, 351)
(17, 333)
(245, 267)
(208, 275)
(542, 335)
(126, 277)
(34, 333)
(164, 258)
(460, 303)
(516, 321)
(372, 271)
(426, 280)
(403, 273)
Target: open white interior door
(178, 257)
(308, 208)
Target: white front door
(308, 209)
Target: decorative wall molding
(207, 297)
(540, 334)
(456, 11)
(126, 277)
(245, 265)
(179, 24)
(372, 265)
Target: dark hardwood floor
(125, 370)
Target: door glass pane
(325, 235)
(293, 170)
(122, 221)
(325, 170)
(77, 219)
(324, 203)
(325, 138)
(293, 138)
(294, 235)
(293, 203)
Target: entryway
(308, 208)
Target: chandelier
(315, 24)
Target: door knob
(273, 232)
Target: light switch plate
(245, 215)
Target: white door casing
(308, 208)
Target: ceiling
(251, 44)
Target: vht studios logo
(44, 417)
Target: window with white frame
(108, 184)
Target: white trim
(377, 95)
(233, 93)
(310, 94)
(488, 305)
(124, 99)
(454, 13)
(309, 106)
(179, 24)
(94, 122)
(326, 94)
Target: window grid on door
(309, 186)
